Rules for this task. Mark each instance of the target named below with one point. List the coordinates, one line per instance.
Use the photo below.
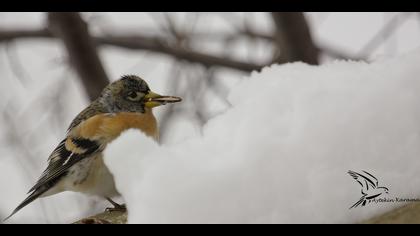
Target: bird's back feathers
(95, 108)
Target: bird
(370, 187)
(77, 164)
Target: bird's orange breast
(109, 126)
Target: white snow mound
(282, 152)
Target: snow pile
(282, 152)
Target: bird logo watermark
(372, 192)
(370, 188)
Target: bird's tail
(34, 195)
(361, 200)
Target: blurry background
(53, 64)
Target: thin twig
(386, 31)
(173, 84)
(15, 65)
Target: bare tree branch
(333, 52)
(339, 54)
(8, 35)
(154, 44)
(81, 49)
(293, 38)
(248, 32)
(15, 64)
(168, 114)
(387, 30)
(15, 138)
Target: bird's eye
(132, 94)
(135, 96)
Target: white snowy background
(279, 154)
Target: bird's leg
(117, 207)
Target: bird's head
(132, 94)
(384, 189)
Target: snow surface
(281, 153)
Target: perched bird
(370, 188)
(76, 164)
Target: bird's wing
(373, 178)
(364, 181)
(60, 160)
(70, 151)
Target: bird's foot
(121, 208)
(116, 206)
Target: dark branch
(81, 49)
(293, 37)
(8, 35)
(154, 44)
(126, 41)
(158, 45)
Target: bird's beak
(153, 99)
